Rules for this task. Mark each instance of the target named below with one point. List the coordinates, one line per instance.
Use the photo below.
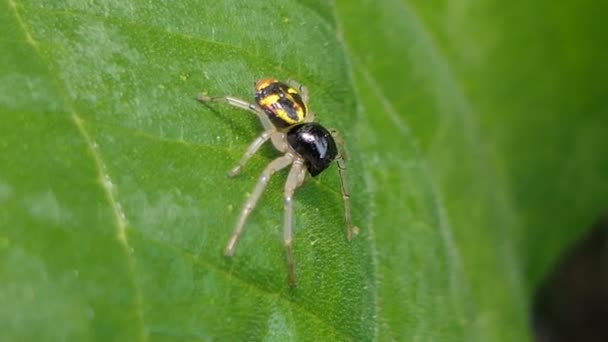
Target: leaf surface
(474, 157)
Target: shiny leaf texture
(476, 140)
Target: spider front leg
(294, 180)
(341, 163)
(233, 101)
(274, 166)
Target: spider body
(306, 145)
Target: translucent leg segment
(235, 102)
(273, 167)
(293, 182)
(251, 150)
(341, 161)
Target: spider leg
(294, 180)
(341, 162)
(251, 150)
(310, 116)
(274, 166)
(233, 101)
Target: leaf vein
(121, 222)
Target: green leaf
(476, 139)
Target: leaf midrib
(121, 236)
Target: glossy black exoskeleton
(315, 144)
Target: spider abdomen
(282, 103)
(314, 144)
